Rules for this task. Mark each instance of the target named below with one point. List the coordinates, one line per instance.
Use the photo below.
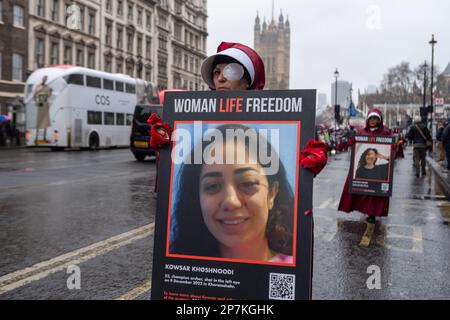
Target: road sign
(439, 101)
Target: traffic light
(337, 112)
(424, 112)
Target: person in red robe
(373, 206)
(401, 142)
(239, 67)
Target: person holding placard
(372, 206)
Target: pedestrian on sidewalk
(439, 144)
(372, 206)
(446, 144)
(420, 136)
(2, 133)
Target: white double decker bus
(87, 108)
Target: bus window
(94, 117)
(77, 79)
(108, 84)
(29, 90)
(108, 118)
(131, 88)
(93, 82)
(120, 119)
(119, 86)
(129, 119)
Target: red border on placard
(297, 168)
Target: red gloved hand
(351, 141)
(314, 156)
(159, 132)
(154, 118)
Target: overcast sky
(361, 38)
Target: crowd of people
(338, 140)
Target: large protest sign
(372, 166)
(232, 197)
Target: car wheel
(94, 141)
(139, 156)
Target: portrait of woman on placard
(368, 169)
(236, 211)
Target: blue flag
(352, 110)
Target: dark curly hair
(362, 161)
(190, 235)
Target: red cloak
(369, 205)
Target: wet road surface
(52, 204)
(410, 248)
(95, 210)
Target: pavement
(442, 176)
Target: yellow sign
(141, 144)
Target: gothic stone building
(273, 43)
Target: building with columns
(162, 41)
(273, 43)
(52, 42)
(13, 58)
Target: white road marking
(325, 204)
(14, 189)
(136, 292)
(336, 204)
(331, 232)
(43, 269)
(416, 237)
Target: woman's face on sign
(371, 157)
(221, 83)
(235, 200)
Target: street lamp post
(424, 66)
(425, 84)
(432, 42)
(336, 114)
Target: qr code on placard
(385, 187)
(282, 286)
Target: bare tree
(397, 84)
(419, 76)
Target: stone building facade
(162, 41)
(273, 42)
(13, 57)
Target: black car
(140, 131)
